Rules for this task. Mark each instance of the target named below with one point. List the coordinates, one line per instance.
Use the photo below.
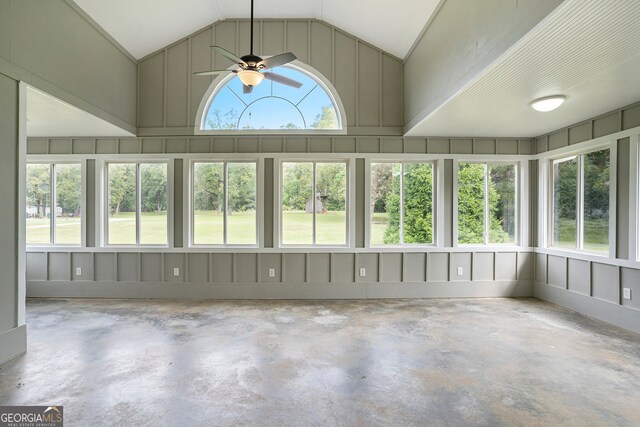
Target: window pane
(565, 178)
(385, 203)
(122, 203)
(331, 203)
(596, 201)
(153, 204)
(38, 222)
(68, 204)
(241, 209)
(502, 203)
(297, 203)
(418, 203)
(208, 203)
(471, 203)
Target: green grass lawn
(596, 235)
(209, 228)
(68, 230)
(378, 226)
(297, 228)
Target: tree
(296, 188)
(69, 188)
(326, 119)
(381, 178)
(209, 186)
(122, 188)
(39, 187)
(241, 187)
(228, 120)
(153, 187)
(331, 184)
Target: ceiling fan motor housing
(252, 61)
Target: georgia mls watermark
(31, 416)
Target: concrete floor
(394, 362)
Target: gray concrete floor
(394, 362)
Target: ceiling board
(50, 117)
(588, 51)
(144, 26)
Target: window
(137, 201)
(580, 207)
(401, 203)
(314, 203)
(58, 185)
(224, 203)
(487, 200)
(273, 106)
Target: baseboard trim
(606, 311)
(13, 343)
(358, 290)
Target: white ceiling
(144, 26)
(588, 51)
(49, 117)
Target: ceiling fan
(252, 66)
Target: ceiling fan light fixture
(548, 103)
(250, 77)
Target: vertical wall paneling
(345, 74)
(368, 86)
(151, 103)
(178, 84)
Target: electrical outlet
(272, 272)
(626, 293)
(460, 271)
(363, 272)
(78, 271)
(176, 271)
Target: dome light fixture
(250, 78)
(548, 103)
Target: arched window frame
(220, 82)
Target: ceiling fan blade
(212, 72)
(277, 60)
(247, 89)
(230, 56)
(281, 79)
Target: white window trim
(62, 160)
(220, 81)
(546, 211)
(634, 199)
(521, 237)
(349, 205)
(436, 216)
(188, 212)
(102, 201)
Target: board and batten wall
(593, 285)
(312, 273)
(367, 79)
(12, 328)
(54, 46)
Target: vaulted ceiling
(143, 26)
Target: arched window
(272, 107)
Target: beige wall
(368, 80)
(52, 46)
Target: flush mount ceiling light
(548, 103)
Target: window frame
(349, 202)
(521, 204)
(104, 199)
(220, 82)
(550, 221)
(36, 160)
(190, 188)
(434, 204)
